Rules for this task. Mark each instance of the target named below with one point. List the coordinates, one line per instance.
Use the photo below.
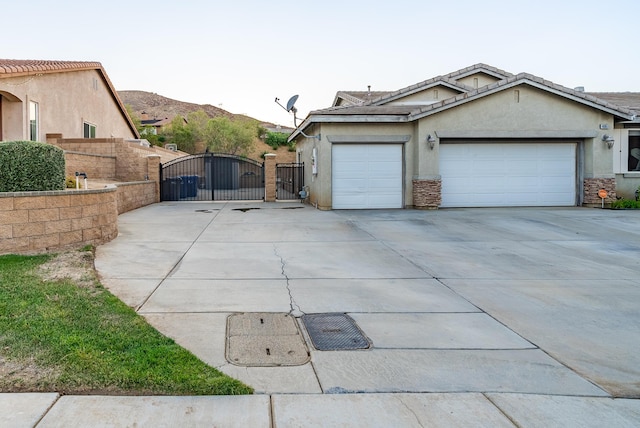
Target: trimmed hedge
(28, 166)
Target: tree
(182, 135)
(227, 136)
(197, 124)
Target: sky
(240, 55)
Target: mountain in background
(159, 107)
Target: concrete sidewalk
(477, 317)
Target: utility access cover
(333, 332)
(265, 340)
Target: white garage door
(519, 174)
(366, 176)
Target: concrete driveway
(503, 304)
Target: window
(33, 121)
(89, 130)
(634, 151)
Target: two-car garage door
(503, 174)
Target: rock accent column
(269, 177)
(593, 185)
(427, 194)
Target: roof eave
(313, 119)
(118, 101)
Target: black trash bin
(189, 186)
(171, 189)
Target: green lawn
(74, 336)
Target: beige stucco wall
(627, 184)
(430, 95)
(65, 100)
(482, 80)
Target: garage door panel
(519, 174)
(366, 176)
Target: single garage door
(517, 174)
(366, 176)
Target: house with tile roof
(476, 137)
(69, 98)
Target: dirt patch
(76, 266)
(19, 376)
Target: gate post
(153, 173)
(269, 177)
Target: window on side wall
(89, 130)
(33, 120)
(633, 155)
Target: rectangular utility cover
(333, 332)
(265, 340)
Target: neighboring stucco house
(479, 136)
(72, 99)
(155, 125)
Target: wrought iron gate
(211, 177)
(289, 180)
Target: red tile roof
(29, 66)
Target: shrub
(276, 139)
(625, 204)
(27, 166)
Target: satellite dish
(291, 102)
(290, 107)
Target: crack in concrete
(406, 406)
(292, 303)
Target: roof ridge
(419, 85)
(479, 66)
(513, 79)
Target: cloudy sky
(241, 55)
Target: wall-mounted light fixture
(431, 141)
(608, 140)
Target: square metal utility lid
(334, 332)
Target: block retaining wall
(33, 222)
(37, 222)
(101, 167)
(136, 195)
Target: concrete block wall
(107, 158)
(101, 167)
(130, 166)
(94, 146)
(32, 222)
(135, 195)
